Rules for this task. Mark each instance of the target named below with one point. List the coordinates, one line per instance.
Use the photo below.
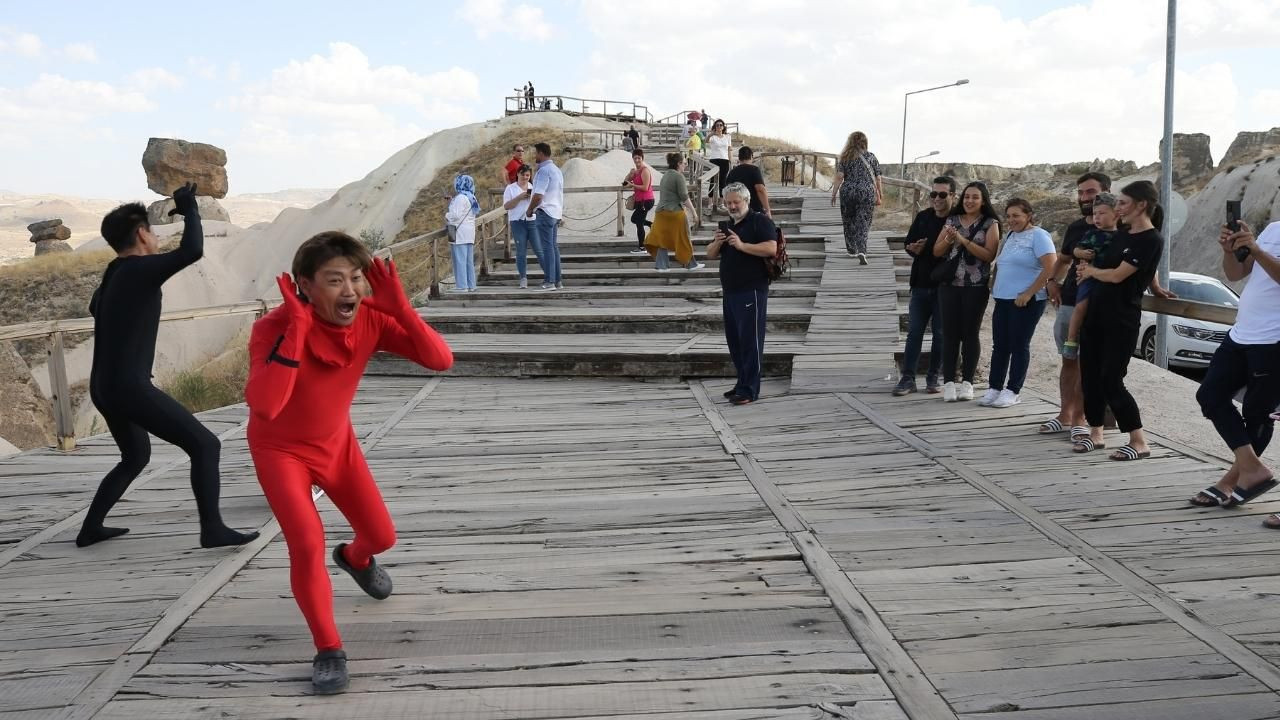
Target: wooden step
(639, 276)
(798, 258)
(693, 318)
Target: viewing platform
(586, 530)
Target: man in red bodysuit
(306, 359)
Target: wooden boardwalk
(605, 548)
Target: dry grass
(772, 166)
(426, 212)
(218, 383)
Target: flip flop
(1086, 444)
(1208, 497)
(1125, 453)
(1053, 426)
(1077, 431)
(1272, 521)
(1240, 495)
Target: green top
(672, 191)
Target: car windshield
(1205, 292)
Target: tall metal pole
(902, 157)
(1166, 180)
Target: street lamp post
(902, 158)
(918, 158)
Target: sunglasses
(939, 195)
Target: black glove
(184, 201)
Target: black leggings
(130, 416)
(1107, 341)
(718, 190)
(640, 216)
(1256, 368)
(962, 311)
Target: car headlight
(1193, 332)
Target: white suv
(1191, 342)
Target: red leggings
(338, 468)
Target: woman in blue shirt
(1026, 262)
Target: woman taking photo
(1026, 262)
(858, 186)
(640, 179)
(969, 242)
(461, 218)
(1120, 275)
(670, 234)
(515, 200)
(719, 143)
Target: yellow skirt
(671, 231)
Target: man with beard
(742, 245)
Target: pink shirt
(643, 194)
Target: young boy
(1090, 246)
(306, 359)
(126, 317)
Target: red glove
(388, 294)
(299, 314)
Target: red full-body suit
(303, 376)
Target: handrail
(1192, 309)
(516, 104)
(682, 118)
(919, 190)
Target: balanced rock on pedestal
(210, 209)
(169, 163)
(50, 236)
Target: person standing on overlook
(924, 307)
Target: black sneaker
(329, 672)
(906, 386)
(373, 580)
(730, 393)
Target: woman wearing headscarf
(461, 217)
(858, 187)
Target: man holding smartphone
(742, 245)
(1248, 358)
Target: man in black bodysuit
(126, 312)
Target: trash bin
(788, 171)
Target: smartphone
(724, 226)
(1233, 224)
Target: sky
(319, 93)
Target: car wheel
(1149, 346)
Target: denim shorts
(1062, 325)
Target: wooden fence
(610, 109)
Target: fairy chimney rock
(1251, 147)
(1192, 163)
(169, 163)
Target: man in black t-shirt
(744, 281)
(1062, 293)
(923, 307)
(749, 175)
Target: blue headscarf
(465, 185)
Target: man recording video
(1248, 358)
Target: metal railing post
(63, 414)
(433, 288)
(620, 207)
(484, 253)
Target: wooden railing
(682, 118)
(809, 160)
(621, 109)
(1190, 309)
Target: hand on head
(388, 292)
(298, 312)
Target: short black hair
(543, 148)
(325, 246)
(1103, 179)
(744, 153)
(120, 226)
(950, 182)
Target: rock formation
(1251, 147)
(50, 236)
(1192, 163)
(169, 163)
(27, 420)
(210, 209)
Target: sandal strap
(1128, 452)
(1052, 426)
(1086, 443)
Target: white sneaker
(698, 266)
(949, 392)
(559, 286)
(966, 391)
(639, 251)
(989, 397)
(666, 269)
(862, 258)
(524, 283)
(1007, 398)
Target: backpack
(778, 265)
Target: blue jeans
(744, 326)
(923, 308)
(1011, 329)
(545, 227)
(524, 235)
(464, 265)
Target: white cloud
(1266, 103)
(154, 78)
(333, 117)
(20, 43)
(80, 52)
(1079, 82)
(56, 108)
(491, 17)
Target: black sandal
(1240, 495)
(1213, 497)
